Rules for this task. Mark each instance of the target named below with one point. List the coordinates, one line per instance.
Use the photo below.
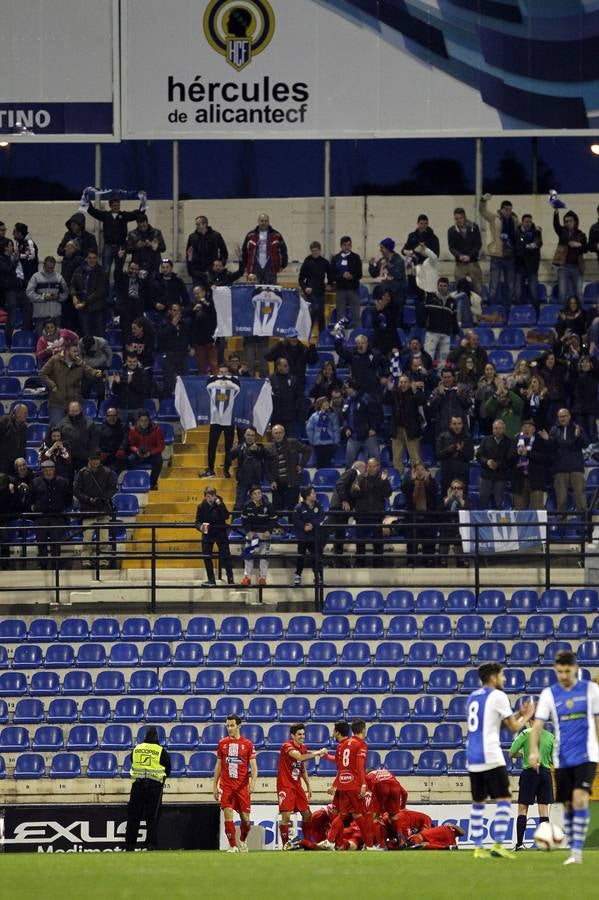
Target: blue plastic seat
(59, 656)
(394, 709)
(492, 651)
(295, 709)
(338, 602)
(196, 709)
(28, 712)
(228, 706)
(505, 627)
(65, 765)
(400, 601)
(35, 434)
(42, 631)
(374, 681)
(369, 628)
(117, 736)
(27, 656)
(361, 708)
(73, 630)
(389, 653)
(136, 481)
(102, 765)
(77, 683)
(326, 479)
(242, 681)
(91, 656)
(48, 738)
(200, 628)
(436, 627)
(21, 364)
(588, 653)
(176, 681)
(167, 628)
(553, 601)
(356, 653)
(126, 505)
(430, 601)
(95, 709)
(62, 710)
(143, 730)
(188, 654)
(212, 734)
(515, 681)
(262, 709)
(342, 681)
(491, 602)
(275, 681)
(83, 737)
(161, 709)
(442, 681)
(422, 653)
(3, 712)
(105, 629)
(22, 340)
(129, 709)
(542, 678)
(511, 338)
(470, 627)
(183, 737)
(234, 628)
(408, 681)
(156, 654)
(524, 602)
(13, 684)
(301, 628)
(583, 600)
(458, 765)
(456, 653)
(522, 315)
(461, 601)
(123, 655)
(309, 681)
(572, 626)
(381, 736)
(10, 387)
(432, 762)
(322, 653)
(268, 763)
(136, 628)
(268, 628)
(110, 682)
(548, 314)
(457, 709)
(29, 765)
(428, 709)
(144, 681)
(471, 682)
(369, 602)
(335, 628)
(254, 733)
(413, 736)
(201, 765)
(525, 653)
(403, 628)
(317, 735)
(400, 762)
(540, 627)
(447, 736)
(14, 738)
(289, 653)
(551, 649)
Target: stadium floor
(269, 875)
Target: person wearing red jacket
(146, 443)
(264, 252)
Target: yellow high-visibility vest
(145, 762)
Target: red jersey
(321, 822)
(289, 775)
(439, 838)
(235, 755)
(388, 794)
(408, 822)
(350, 759)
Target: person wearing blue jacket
(307, 518)
(323, 432)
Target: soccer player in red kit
(320, 824)
(443, 837)
(236, 770)
(408, 822)
(291, 773)
(387, 793)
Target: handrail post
(476, 561)
(547, 556)
(153, 571)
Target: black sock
(520, 829)
(543, 819)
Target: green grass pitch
(272, 875)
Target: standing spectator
(447, 400)
(415, 351)
(454, 501)
(572, 319)
(308, 516)
(27, 265)
(79, 434)
(529, 240)
(250, 465)
(52, 340)
(464, 241)
(85, 242)
(529, 479)
(487, 386)
(568, 258)
(469, 304)
(50, 496)
(12, 294)
(369, 368)
(537, 403)
(455, 451)
(507, 406)
(323, 433)
(211, 522)
(113, 441)
(204, 246)
(326, 381)
(96, 353)
(391, 270)
(13, 437)
(287, 397)
(131, 293)
(141, 340)
(406, 401)
(501, 248)
(554, 373)
(594, 237)
(165, 288)
(62, 375)
(130, 388)
(203, 328)
(420, 491)
(386, 320)
(220, 421)
(437, 312)
(363, 417)
(297, 354)
(146, 245)
(264, 252)
(71, 261)
(146, 444)
(219, 275)
(174, 339)
(496, 455)
(89, 288)
(236, 366)
(259, 520)
(94, 488)
(584, 395)
(46, 291)
(23, 476)
(370, 491)
(346, 271)
(10, 507)
(423, 234)
(313, 275)
(567, 443)
(285, 461)
(470, 348)
(114, 229)
(54, 448)
(341, 506)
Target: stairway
(176, 500)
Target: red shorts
(239, 799)
(388, 797)
(293, 800)
(348, 802)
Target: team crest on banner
(267, 303)
(239, 29)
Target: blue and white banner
(200, 403)
(261, 311)
(500, 531)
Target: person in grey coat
(46, 291)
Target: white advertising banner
(356, 68)
(59, 71)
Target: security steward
(150, 766)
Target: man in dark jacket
(423, 234)
(469, 347)
(130, 388)
(406, 401)
(146, 245)
(258, 519)
(84, 241)
(420, 491)
(455, 450)
(390, 268)
(369, 368)
(113, 441)
(79, 433)
(346, 271)
(131, 293)
(13, 437)
(12, 293)
(285, 459)
(211, 522)
(340, 508)
(264, 252)
(250, 465)
(363, 418)
(567, 443)
(219, 275)
(529, 480)
(114, 228)
(313, 275)
(529, 240)
(307, 518)
(287, 397)
(174, 338)
(94, 488)
(370, 492)
(496, 455)
(89, 288)
(165, 288)
(464, 241)
(204, 245)
(438, 314)
(297, 354)
(203, 322)
(447, 400)
(50, 496)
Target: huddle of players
(368, 810)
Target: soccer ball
(549, 837)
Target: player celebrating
(388, 795)
(487, 709)
(235, 759)
(573, 707)
(291, 773)
(535, 784)
(443, 837)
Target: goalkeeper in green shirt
(536, 785)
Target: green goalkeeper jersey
(522, 745)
